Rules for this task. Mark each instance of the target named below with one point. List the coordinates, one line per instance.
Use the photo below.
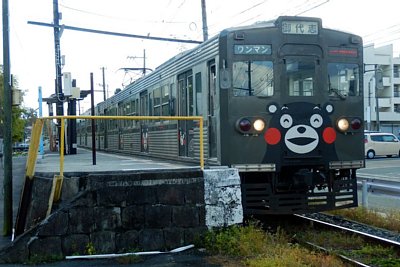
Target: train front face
(294, 108)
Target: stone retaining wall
(123, 212)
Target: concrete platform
(83, 162)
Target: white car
(381, 144)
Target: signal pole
(204, 19)
(7, 149)
(58, 83)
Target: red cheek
(272, 136)
(329, 135)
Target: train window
(165, 101)
(143, 104)
(300, 77)
(198, 97)
(253, 78)
(343, 79)
(190, 95)
(157, 102)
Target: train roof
(210, 44)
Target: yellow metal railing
(58, 179)
(32, 158)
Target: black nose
(301, 129)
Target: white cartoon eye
(286, 121)
(272, 109)
(316, 120)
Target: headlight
(343, 124)
(259, 125)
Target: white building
(384, 94)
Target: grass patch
(389, 220)
(252, 246)
(41, 259)
(352, 246)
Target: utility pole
(144, 69)
(7, 149)
(204, 19)
(144, 62)
(58, 83)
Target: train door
(144, 111)
(212, 120)
(185, 108)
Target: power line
(115, 33)
(119, 18)
(312, 8)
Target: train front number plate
(300, 27)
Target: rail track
(380, 238)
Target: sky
(32, 47)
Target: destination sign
(252, 49)
(300, 27)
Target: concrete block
(222, 197)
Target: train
(281, 100)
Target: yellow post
(33, 148)
(55, 193)
(62, 147)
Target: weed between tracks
(353, 247)
(252, 246)
(389, 220)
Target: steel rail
(351, 230)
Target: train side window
(253, 78)
(165, 100)
(172, 101)
(199, 106)
(157, 102)
(190, 95)
(343, 79)
(300, 77)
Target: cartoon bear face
(299, 128)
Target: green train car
(282, 102)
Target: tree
(18, 122)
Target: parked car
(381, 144)
(21, 147)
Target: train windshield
(343, 79)
(253, 78)
(300, 77)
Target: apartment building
(381, 98)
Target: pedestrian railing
(58, 179)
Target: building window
(396, 73)
(396, 90)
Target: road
(382, 168)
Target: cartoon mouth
(301, 141)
